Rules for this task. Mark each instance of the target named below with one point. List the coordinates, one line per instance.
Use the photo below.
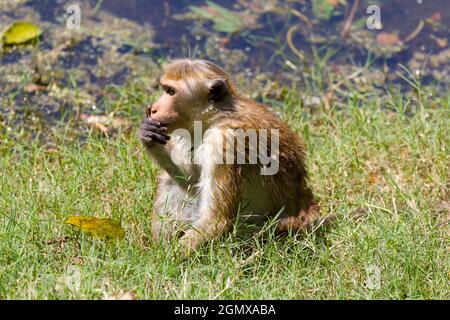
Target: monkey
(197, 201)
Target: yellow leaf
(20, 32)
(97, 227)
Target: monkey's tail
(307, 220)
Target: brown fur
(220, 189)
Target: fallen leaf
(97, 227)
(32, 87)
(20, 32)
(104, 123)
(373, 177)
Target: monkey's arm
(219, 202)
(154, 139)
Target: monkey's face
(180, 104)
(166, 109)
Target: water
(123, 42)
(401, 16)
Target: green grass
(383, 171)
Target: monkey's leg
(172, 209)
(207, 228)
(219, 201)
(305, 221)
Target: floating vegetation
(106, 123)
(323, 9)
(224, 20)
(321, 47)
(384, 45)
(68, 73)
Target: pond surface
(397, 16)
(306, 44)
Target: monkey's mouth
(161, 124)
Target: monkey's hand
(151, 133)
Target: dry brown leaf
(32, 87)
(105, 123)
(373, 177)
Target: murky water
(263, 43)
(399, 16)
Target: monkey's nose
(148, 110)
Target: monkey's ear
(218, 89)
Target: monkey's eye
(169, 90)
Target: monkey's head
(190, 88)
